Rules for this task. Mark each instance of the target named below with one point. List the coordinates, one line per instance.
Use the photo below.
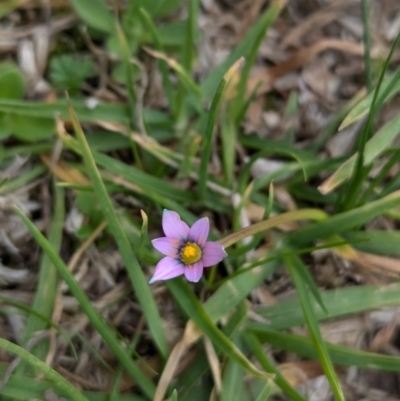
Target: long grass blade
(254, 345)
(136, 275)
(340, 355)
(46, 291)
(212, 118)
(39, 365)
(345, 221)
(293, 265)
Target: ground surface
(144, 79)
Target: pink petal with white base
(167, 268)
(213, 253)
(194, 272)
(167, 246)
(199, 231)
(173, 226)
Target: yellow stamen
(190, 253)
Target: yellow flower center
(190, 253)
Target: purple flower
(186, 250)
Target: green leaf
(95, 14)
(5, 126)
(173, 34)
(151, 6)
(174, 396)
(7, 7)
(168, 7)
(31, 128)
(68, 73)
(12, 84)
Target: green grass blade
(95, 13)
(381, 176)
(228, 138)
(360, 172)
(27, 388)
(162, 64)
(208, 135)
(242, 50)
(7, 186)
(309, 281)
(254, 345)
(267, 19)
(367, 44)
(194, 309)
(293, 264)
(380, 142)
(233, 291)
(232, 381)
(339, 302)
(50, 373)
(135, 119)
(390, 86)
(340, 355)
(345, 221)
(333, 125)
(98, 323)
(191, 28)
(46, 290)
(48, 322)
(182, 74)
(126, 54)
(187, 56)
(380, 242)
(136, 275)
(144, 183)
(265, 392)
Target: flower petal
(199, 231)
(167, 268)
(213, 253)
(167, 246)
(194, 272)
(173, 226)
